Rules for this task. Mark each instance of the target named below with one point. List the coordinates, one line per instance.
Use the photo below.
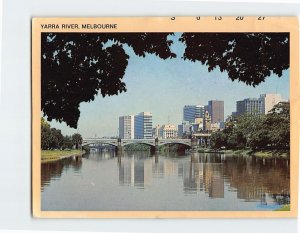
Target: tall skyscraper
(126, 127)
(215, 109)
(143, 125)
(191, 112)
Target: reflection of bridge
(154, 143)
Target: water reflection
(251, 178)
(53, 170)
(254, 178)
(212, 175)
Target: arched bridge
(155, 143)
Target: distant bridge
(154, 143)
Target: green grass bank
(54, 155)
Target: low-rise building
(168, 131)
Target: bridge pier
(156, 146)
(194, 143)
(119, 148)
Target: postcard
(165, 117)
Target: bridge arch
(142, 143)
(107, 143)
(175, 143)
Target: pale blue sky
(163, 87)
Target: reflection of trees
(253, 178)
(53, 170)
(76, 163)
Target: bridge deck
(124, 142)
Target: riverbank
(266, 154)
(54, 155)
(272, 154)
(284, 208)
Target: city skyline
(163, 88)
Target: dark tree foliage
(247, 57)
(76, 66)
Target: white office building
(270, 100)
(126, 127)
(168, 131)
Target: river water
(102, 181)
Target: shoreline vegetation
(264, 154)
(285, 208)
(55, 155)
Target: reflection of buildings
(216, 189)
(250, 178)
(135, 172)
(139, 174)
(126, 173)
(202, 173)
(158, 169)
(202, 176)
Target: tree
(52, 138)
(75, 67)
(260, 137)
(218, 139)
(259, 132)
(56, 138)
(76, 139)
(236, 140)
(45, 134)
(278, 123)
(246, 57)
(67, 143)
